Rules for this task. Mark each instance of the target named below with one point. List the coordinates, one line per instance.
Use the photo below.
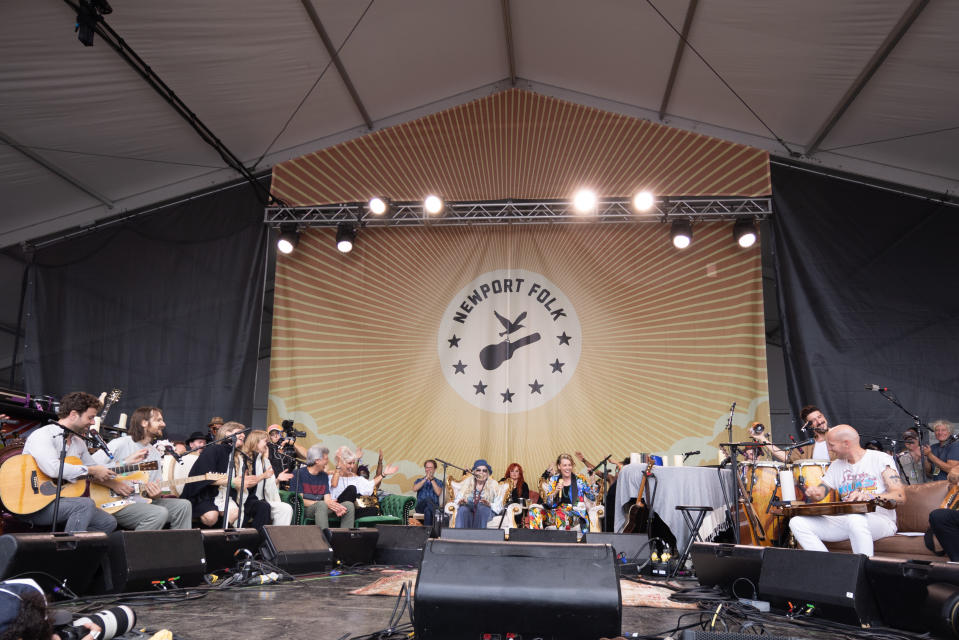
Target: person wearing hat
(478, 498)
(214, 426)
(196, 441)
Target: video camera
(290, 432)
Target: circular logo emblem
(509, 341)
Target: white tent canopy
(870, 87)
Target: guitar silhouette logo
(493, 355)
(509, 341)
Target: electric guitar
(25, 489)
(111, 501)
(638, 517)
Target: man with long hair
(155, 510)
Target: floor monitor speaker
(629, 547)
(399, 544)
(555, 592)
(352, 546)
(296, 549)
(543, 535)
(143, 560)
(476, 535)
(220, 547)
(77, 560)
(735, 568)
(835, 583)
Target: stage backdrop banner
(516, 343)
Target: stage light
(288, 238)
(345, 235)
(644, 201)
(744, 231)
(681, 233)
(378, 206)
(585, 201)
(433, 204)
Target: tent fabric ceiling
(519, 145)
(83, 137)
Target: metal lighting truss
(519, 212)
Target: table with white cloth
(675, 486)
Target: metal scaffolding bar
(519, 212)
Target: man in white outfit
(856, 474)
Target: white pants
(859, 528)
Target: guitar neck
(129, 468)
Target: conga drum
(809, 473)
(761, 479)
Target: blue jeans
(467, 519)
(428, 509)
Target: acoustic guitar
(111, 501)
(637, 520)
(25, 489)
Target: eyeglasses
(483, 469)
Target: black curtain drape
(166, 307)
(868, 295)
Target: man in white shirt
(857, 474)
(153, 511)
(77, 412)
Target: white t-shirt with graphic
(865, 475)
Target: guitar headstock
(109, 401)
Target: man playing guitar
(152, 511)
(77, 412)
(858, 475)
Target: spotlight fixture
(433, 204)
(681, 233)
(345, 235)
(288, 239)
(378, 206)
(744, 231)
(585, 201)
(644, 201)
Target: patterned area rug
(634, 594)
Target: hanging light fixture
(345, 235)
(682, 233)
(744, 231)
(288, 239)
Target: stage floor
(322, 607)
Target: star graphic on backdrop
(557, 366)
(507, 397)
(480, 388)
(564, 339)
(535, 387)
(454, 341)
(460, 367)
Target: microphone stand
(63, 458)
(229, 478)
(445, 464)
(920, 425)
(733, 453)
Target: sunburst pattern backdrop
(656, 343)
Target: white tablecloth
(689, 486)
